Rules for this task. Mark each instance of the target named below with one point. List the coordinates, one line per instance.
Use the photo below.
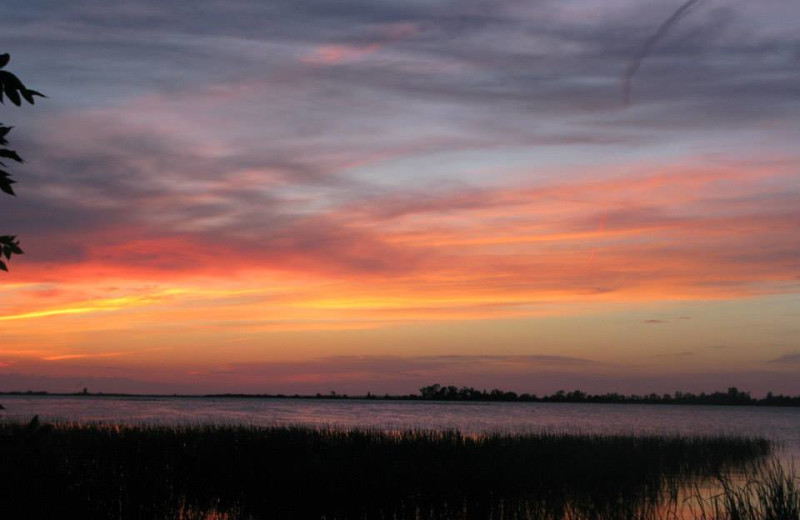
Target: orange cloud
(64, 357)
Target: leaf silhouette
(10, 154)
(12, 88)
(5, 183)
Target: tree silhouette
(13, 89)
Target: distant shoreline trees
(733, 397)
(436, 392)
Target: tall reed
(115, 471)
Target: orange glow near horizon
(536, 253)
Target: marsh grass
(770, 493)
(192, 472)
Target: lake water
(777, 424)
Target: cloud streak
(649, 45)
(790, 359)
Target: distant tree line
(733, 396)
(436, 392)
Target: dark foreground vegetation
(150, 472)
(732, 397)
(771, 493)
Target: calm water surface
(778, 424)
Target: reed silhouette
(772, 493)
(114, 471)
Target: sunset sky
(375, 195)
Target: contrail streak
(647, 48)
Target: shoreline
(701, 400)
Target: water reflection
(778, 424)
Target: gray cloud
(516, 70)
(537, 60)
(787, 359)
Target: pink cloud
(376, 40)
(334, 54)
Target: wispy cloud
(650, 43)
(788, 359)
(64, 357)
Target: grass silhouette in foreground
(114, 471)
(771, 493)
